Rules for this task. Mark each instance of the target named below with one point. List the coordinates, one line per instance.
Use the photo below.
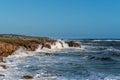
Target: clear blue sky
(61, 18)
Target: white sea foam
(58, 46)
(106, 40)
(21, 62)
(21, 52)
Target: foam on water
(106, 40)
(59, 46)
(52, 67)
(19, 66)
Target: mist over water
(96, 60)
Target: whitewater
(95, 60)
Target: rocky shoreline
(10, 43)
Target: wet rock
(27, 77)
(61, 44)
(4, 66)
(2, 75)
(73, 44)
(46, 45)
(31, 46)
(1, 59)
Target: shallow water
(96, 60)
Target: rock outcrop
(7, 49)
(73, 44)
(10, 43)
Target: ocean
(97, 59)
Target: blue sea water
(96, 60)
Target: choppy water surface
(97, 60)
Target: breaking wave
(58, 46)
(61, 62)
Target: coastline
(9, 43)
(57, 63)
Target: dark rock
(46, 46)
(4, 66)
(27, 77)
(61, 44)
(73, 44)
(2, 75)
(1, 59)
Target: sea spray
(59, 44)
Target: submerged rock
(103, 58)
(90, 57)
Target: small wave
(113, 51)
(106, 40)
(90, 57)
(21, 52)
(101, 76)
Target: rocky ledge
(10, 43)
